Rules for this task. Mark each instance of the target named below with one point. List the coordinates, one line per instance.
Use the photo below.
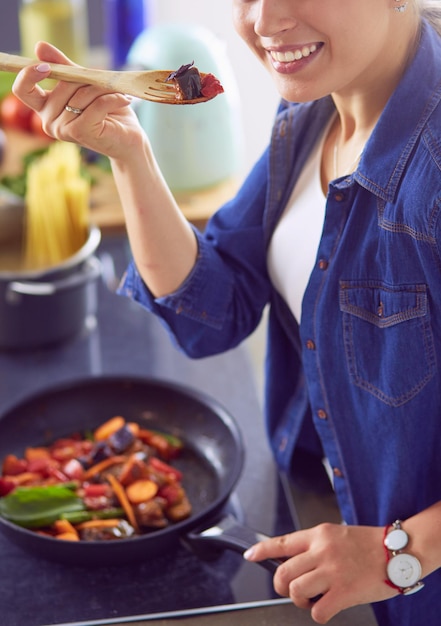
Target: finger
(28, 78)
(293, 569)
(276, 547)
(327, 607)
(307, 589)
(27, 89)
(26, 86)
(84, 96)
(47, 52)
(96, 108)
(89, 125)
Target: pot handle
(91, 271)
(227, 533)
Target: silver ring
(73, 109)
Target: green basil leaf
(35, 507)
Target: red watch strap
(386, 580)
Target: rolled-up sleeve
(222, 299)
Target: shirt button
(339, 197)
(310, 344)
(322, 414)
(323, 264)
(337, 472)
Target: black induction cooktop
(127, 340)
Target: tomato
(95, 490)
(42, 466)
(211, 86)
(167, 446)
(6, 486)
(12, 465)
(165, 468)
(172, 493)
(73, 469)
(15, 114)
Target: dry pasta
(57, 206)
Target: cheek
(242, 22)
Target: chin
(297, 96)
(301, 93)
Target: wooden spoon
(145, 84)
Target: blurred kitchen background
(253, 100)
(258, 98)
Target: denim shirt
(359, 380)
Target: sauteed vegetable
(189, 84)
(115, 482)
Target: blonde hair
(431, 11)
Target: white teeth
(306, 51)
(296, 55)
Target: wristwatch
(403, 570)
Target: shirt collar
(400, 125)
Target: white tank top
(293, 248)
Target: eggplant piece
(121, 440)
(187, 82)
(101, 451)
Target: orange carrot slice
(99, 523)
(108, 428)
(36, 453)
(134, 428)
(123, 500)
(68, 536)
(27, 478)
(103, 465)
(141, 490)
(63, 527)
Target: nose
(274, 16)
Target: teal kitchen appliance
(197, 146)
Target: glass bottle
(63, 23)
(124, 21)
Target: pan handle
(227, 533)
(91, 271)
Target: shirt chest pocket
(388, 339)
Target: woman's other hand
(341, 565)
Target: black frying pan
(211, 463)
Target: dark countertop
(128, 341)
(272, 613)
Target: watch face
(396, 540)
(404, 570)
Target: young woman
(338, 229)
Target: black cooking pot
(211, 461)
(40, 307)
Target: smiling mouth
(294, 55)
